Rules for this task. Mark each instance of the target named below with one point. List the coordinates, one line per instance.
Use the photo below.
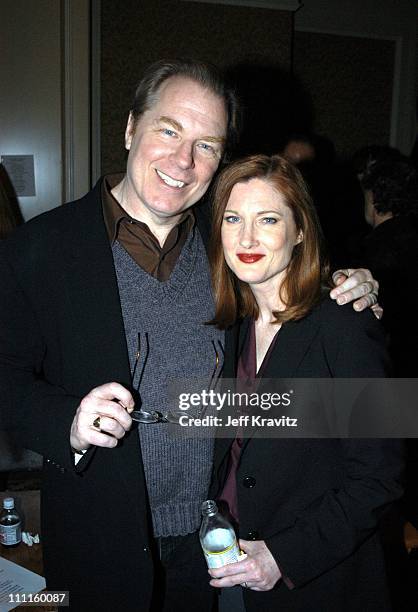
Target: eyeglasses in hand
(153, 416)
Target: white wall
(77, 114)
(30, 109)
(44, 96)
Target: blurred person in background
(391, 252)
(390, 187)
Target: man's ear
(129, 132)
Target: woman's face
(258, 234)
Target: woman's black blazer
(316, 502)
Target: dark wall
(350, 81)
(254, 43)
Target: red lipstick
(249, 258)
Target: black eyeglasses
(142, 415)
(153, 416)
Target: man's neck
(159, 226)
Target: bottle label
(10, 534)
(223, 557)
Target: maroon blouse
(247, 381)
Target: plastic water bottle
(10, 524)
(217, 537)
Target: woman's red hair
(302, 285)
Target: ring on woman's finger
(96, 423)
(244, 585)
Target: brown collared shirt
(136, 237)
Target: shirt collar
(113, 212)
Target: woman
(307, 509)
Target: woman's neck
(268, 301)
(264, 335)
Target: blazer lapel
(92, 289)
(292, 344)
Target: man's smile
(168, 180)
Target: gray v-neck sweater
(177, 470)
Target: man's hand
(112, 403)
(356, 285)
(259, 571)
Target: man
(391, 209)
(102, 301)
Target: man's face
(174, 150)
(369, 207)
(298, 151)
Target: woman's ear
(299, 237)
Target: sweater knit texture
(181, 346)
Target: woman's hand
(258, 571)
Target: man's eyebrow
(177, 126)
(217, 139)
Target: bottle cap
(209, 507)
(8, 503)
